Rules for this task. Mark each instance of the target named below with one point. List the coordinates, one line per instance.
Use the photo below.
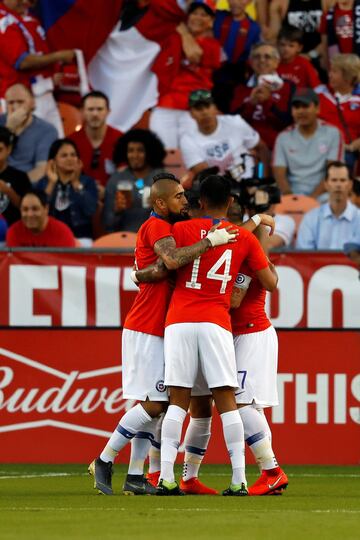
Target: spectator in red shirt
(26, 58)
(340, 104)
(36, 228)
(96, 139)
(338, 30)
(294, 67)
(186, 63)
(264, 101)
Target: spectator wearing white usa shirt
(335, 223)
(216, 140)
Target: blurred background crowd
(96, 98)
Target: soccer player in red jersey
(198, 332)
(256, 351)
(142, 339)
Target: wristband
(256, 219)
(242, 281)
(133, 277)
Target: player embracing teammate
(199, 350)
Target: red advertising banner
(61, 397)
(316, 290)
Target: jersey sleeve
(13, 47)
(158, 229)
(256, 258)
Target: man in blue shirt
(334, 223)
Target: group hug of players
(197, 333)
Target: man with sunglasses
(96, 139)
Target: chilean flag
(119, 60)
(79, 24)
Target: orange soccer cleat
(153, 478)
(270, 484)
(195, 487)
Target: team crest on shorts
(160, 386)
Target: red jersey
(250, 316)
(350, 108)
(178, 77)
(56, 234)
(19, 36)
(343, 22)
(300, 72)
(148, 311)
(100, 167)
(268, 118)
(203, 288)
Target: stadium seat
(174, 163)
(123, 239)
(71, 118)
(296, 206)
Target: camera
(254, 194)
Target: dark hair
(215, 190)
(6, 137)
(154, 149)
(291, 33)
(41, 195)
(165, 176)
(336, 164)
(95, 94)
(59, 143)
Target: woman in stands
(72, 195)
(127, 204)
(340, 102)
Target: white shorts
(191, 347)
(143, 366)
(256, 360)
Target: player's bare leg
(273, 480)
(170, 438)
(136, 419)
(224, 398)
(196, 441)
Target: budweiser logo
(67, 396)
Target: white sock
(129, 425)
(140, 446)
(170, 440)
(260, 410)
(154, 452)
(196, 441)
(256, 437)
(234, 440)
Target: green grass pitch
(58, 502)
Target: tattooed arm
(174, 258)
(152, 273)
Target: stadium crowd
(266, 92)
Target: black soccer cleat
(168, 489)
(102, 473)
(137, 484)
(235, 491)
